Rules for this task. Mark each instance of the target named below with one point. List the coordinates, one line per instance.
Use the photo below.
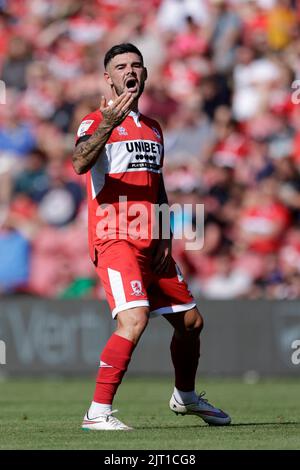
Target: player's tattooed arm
(87, 153)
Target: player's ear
(107, 78)
(145, 74)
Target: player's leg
(116, 355)
(185, 347)
(114, 361)
(185, 353)
(170, 297)
(126, 293)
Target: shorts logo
(84, 126)
(137, 288)
(122, 130)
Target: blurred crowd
(222, 83)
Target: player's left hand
(162, 256)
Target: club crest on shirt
(137, 288)
(122, 130)
(156, 132)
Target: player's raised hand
(115, 113)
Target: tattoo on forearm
(86, 153)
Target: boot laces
(116, 423)
(204, 400)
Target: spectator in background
(18, 58)
(15, 249)
(188, 135)
(16, 135)
(14, 266)
(254, 19)
(228, 281)
(190, 41)
(60, 199)
(225, 33)
(214, 92)
(281, 24)
(231, 145)
(263, 219)
(172, 14)
(33, 180)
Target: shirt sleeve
(87, 127)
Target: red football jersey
(123, 184)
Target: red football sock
(115, 358)
(185, 354)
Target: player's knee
(134, 320)
(194, 324)
(138, 324)
(198, 324)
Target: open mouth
(131, 84)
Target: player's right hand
(115, 113)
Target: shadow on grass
(202, 425)
(274, 423)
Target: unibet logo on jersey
(146, 154)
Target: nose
(129, 70)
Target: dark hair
(120, 49)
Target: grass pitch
(47, 414)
